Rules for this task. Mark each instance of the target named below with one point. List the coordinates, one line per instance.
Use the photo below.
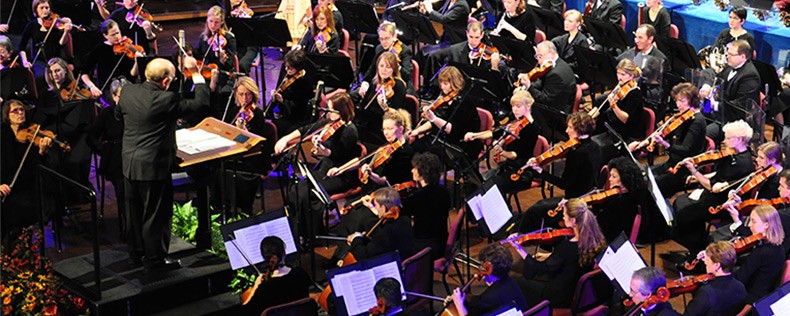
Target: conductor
(149, 113)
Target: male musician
(557, 88)
(140, 33)
(740, 84)
(149, 114)
(645, 52)
(607, 10)
(723, 295)
(388, 40)
(644, 283)
(389, 290)
(453, 17)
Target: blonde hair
(62, 63)
(249, 84)
(521, 96)
(215, 11)
(575, 15)
(629, 67)
(775, 233)
(401, 117)
(453, 76)
(388, 27)
(474, 26)
(740, 129)
(591, 240)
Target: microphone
(317, 96)
(328, 110)
(181, 38)
(507, 131)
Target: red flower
(51, 310)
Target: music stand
(522, 52)
(768, 78)
(550, 21)
(596, 68)
(260, 32)
(248, 233)
(17, 83)
(489, 83)
(607, 34)
(680, 54)
(334, 70)
(415, 28)
(360, 17)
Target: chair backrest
(650, 120)
(673, 31)
(415, 75)
(564, 8)
(577, 100)
(542, 309)
(452, 236)
(785, 273)
(486, 119)
(711, 144)
(637, 224)
(622, 21)
(603, 177)
(541, 146)
(270, 133)
(305, 306)
(412, 106)
(418, 273)
(593, 289)
(600, 310)
(540, 36)
(345, 40)
(236, 62)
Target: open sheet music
(492, 208)
(660, 201)
(355, 287)
(619, 262)
(776, 303)
(249, 240)
(197, 141)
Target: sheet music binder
(249, 232)
(242, 141)
(619, 261)
(381, 266)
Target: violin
(661, 296)
(271, 265)
(555, 153)
(623, 91)
(688, 284)
(327, 131)
(441, 100)
(514, 128)
(594, 197)
(741, 246)
(396, 48)
(59, 23)
(485, 51)
(405, 186)
(33, 133)
(323, 37)
(551, 237)
(744, 208)
(537, 72)
(385, 88)
(72, 92)
(242, 11)
(380, 157)
(706, 157)
(126, 47)
(244, 116)
(137, 16)
(218, 41)
(485, 270)
(757, 178)
(380, 308)
(287, 82)
(670, 126)
(204, 70)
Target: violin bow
(136, 14)
(44, 41)
(22, 163)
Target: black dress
(294, 111)
(393, 235)
(524, 147)
(33, 33)
(555, 278)
(429, 207)
(688, 140)
(566, 49)
(21, 207)
(760, 270)
(661, 23)
(206, 53)
(333, 45)
(103, 60)
(524, 22)
(370, 114)
(725, 38)
(632, 130)
(503, 292)
(248, 170)
(722, 296)
(278, 290)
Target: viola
(441, 100)
(242, 11)
(244, 116)
(623, 91)
(33, 133)
(485, 51)
(757, 178)
(323, 37)
(385, 88)
(741, 245)
(381, 156)
(537, 72)
(551, 237)
(326, 132)
(512, 127)
(706, 157)
(555, 153)
(670, 126)
(73, 91)
(661, 296)
(485, 270)
(688, 284)
(58, 22)
(380, 308)
(138, 16)
(744, 208)
(594, 197)
(126, 47)
(218, 41)
(396, 48)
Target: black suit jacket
(557, 87)
(454, 21)
(149, 139)
(610, 10)
(655, 52)
(566, 50)
(744, 85)
(553, 5)
(722, 296)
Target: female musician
(21, 207)
(278, 283)
(501, 290)
(336, 16)
(518, 151)
(388, 289)
(340, 147)
(582, 165)
(217, 45)
(8, 55)
(555, 277)
(323, 38)
(104, 138)
(390, 235)
(565, 43)
(139, 30)
(389, 42)
(290, 107)
(103, 60)
(395, 124)
(644, 283)
(617, 214)
(386, 90)
(725, 294)
(625, 111)
(517, 21)
(686, 141)
(61, 83)
(428, 205)
(36, 32)
(657, 15)
(456, 118)
(247, 55)
(769, 155)
(691, 211)
(737, 18)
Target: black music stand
(597, 68)
(607, 34)
(550, 21)
(681, 55)
(360, 17)
(488, 84)
(768, 78)
(522, 52)
(334, 70)
(415, 28)
(17, 83)
(250, 33)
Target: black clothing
(581, 169)
(35, 33)
(278, 290)
(760, 270)
(686, 141)
(524, 22)
(662, 21)
(744, 86)
(136, 32)
(103, 60)
(464, 120)
(406, 67)
(429, 207)
(553, 5)
(555, 278)
(453, 19)
(524, 147)
(565, 49)
(504, 291)
(557, 88)
(333, 45)
(294, 111)
(206, 53)
(397, 167)
(609, 10)
(769, 189)
(458, 52)
(722, 296)
(617, 214)
(21, 207)
(632, 130)
(389, 236)
(104, 137)
(247, 171)
(661, 309)
(369, 119)
(725, 38)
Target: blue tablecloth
(631, 10)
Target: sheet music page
(236, 260)
(280, 228)
(474, 206)
(781, 306)
(496, 211)
(660, 201)
(357, 289)
(620, 265)
(197, 141)
(249, 240)
(389, 270)
(510, 312)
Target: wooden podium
(239, 142)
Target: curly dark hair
(630, 174)
(428, 166)
(582, 123)
(499, 257)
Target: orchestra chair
(592, 291)
(418, 278)
(415, 77)
(539, 36)
(650, 127)
(68, 48)
(577, 100)
(305, 306)
(541, 146)
(673, 31)
(412, 105)
(747, 309)
(603, 177)
(622, 21)
(564, 8)
(637, 224)
(785, 274)
(235, 61)
(350, 192)
(271, 134)
(442, 265)
(486, 124)
(346, 36)
(542, 309)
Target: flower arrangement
(28, 285)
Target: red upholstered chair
(344, 47)
(539, 36)
(637, 224)
(412, 105)
(577, 100)
(442, 265)
(785, 273)
(650, 121)
(673, 31)
(415, 75)
(418, 278)
(622, 21)
(541, 146)
(592, 291)
(305, 306)
(542, 309)
(355, 190)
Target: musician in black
(279, 283)
(141, 31)
(323, 38)
(517, 21)
(556, 88)
(428, 205)
(644, 283)
(737, 17)
(566, 43)
(391, 234)
(291, 107)
(217, 46)
(387, 90)
(657, 15)
(725, 294)
(107, 63)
